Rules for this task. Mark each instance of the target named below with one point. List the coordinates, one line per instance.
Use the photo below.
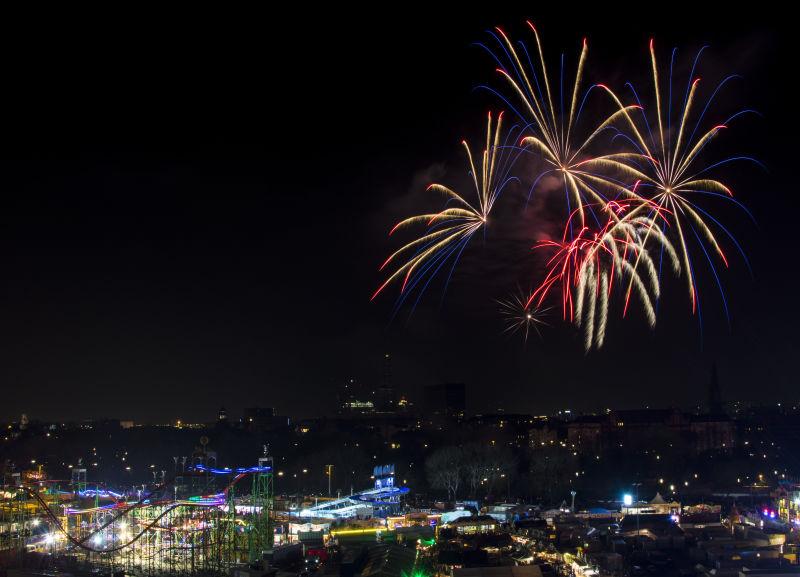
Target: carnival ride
(352, 505)
(183, 525)
(381, 500)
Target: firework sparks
(587, 179)
(587, 264)
(630, 207)
(522, 316)
(672, 178)
(449, 231)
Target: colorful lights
(72, 511)
(107, 494)
(365, 531)
(230, 471)
(160, 515)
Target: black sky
(195, 204)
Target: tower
(385, 401)
(260, 531)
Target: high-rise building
(263, 419)
(385, 401)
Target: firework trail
(672, 173)
(586, 266)
(587, 179)
(448, 231)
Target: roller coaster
(174, 528)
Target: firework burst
(587, 179)
(673, 175)
(522, 316)
(448, 232)
(587, 264)
(631, 203)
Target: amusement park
(204, 520)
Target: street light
(638, 509)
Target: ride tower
(260, 531)
(387, 498)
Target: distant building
(263, 419)
(642, 427)
(446, 399)
(356, 399)
(403, 405)
(712, 432)
(543, 434)
(587, 431)
(385, 400)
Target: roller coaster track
(142, 503)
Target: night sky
(195, 206)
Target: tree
(445, 468)
(485, 465)
(551, 467)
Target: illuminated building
(356, 399)
(474, 525)
(787, 498)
